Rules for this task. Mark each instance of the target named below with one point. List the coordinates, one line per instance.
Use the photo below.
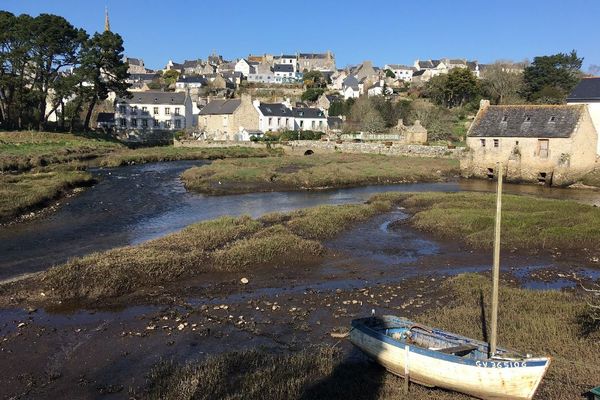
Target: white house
(379, 89)
(287, 60)
(243, 67)
(274, 116)
(313, 119)
(149, 111)
(190, 82)
(351, 88)
(337, 80)
(402, 72)
(587, 92)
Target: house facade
(243, 67)
(309, 119)
(154, 111)
(544, 144)
(274, 116)
(225, 119)
(135, 65)
(402, 72)
(316, 61)
(587, 92)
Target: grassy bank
(527, 222)
(537, 322)
(312, 172)
(22, 151)
(224, 244)
(22, 193)
(170, 153)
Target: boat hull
(486, 379)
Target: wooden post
(406, 369)
(496, 270)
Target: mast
(496, 269)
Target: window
(278, 121)
(144, 109)
(167, 111)
(123, 122)
(496, 142)
(144, 123)
(177, 123)
(122, 109)
(543, 148)
(482, 141)
(176, 110)
(287, 120)
(270, 121)
(504, 118)
(320, 124)
(527, 118)
(168, 124)
(155, 111)
(312, 124)
(134, 110)
(156, 123)
(553, 119)
(134, 122)
(301, 124)
(225, 120)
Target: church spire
(106, 21)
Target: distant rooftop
(588, 89)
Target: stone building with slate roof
(226, 119)
(551, 144)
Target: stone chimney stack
(483, 104)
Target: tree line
(49, 66)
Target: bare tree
(502, 83)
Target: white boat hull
(494, 379)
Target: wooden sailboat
(433, 357)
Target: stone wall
(299, 147)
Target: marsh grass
(21, 193)
(170, 153)
(316, 171)
(543, 323)
(22, 151)
(527, 222)
(223, 244)
(592, 178)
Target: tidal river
(136, 203)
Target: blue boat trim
(493, 363)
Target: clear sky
(382, 31)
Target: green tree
(549, 79)
(102, 65)
(170, 77)
(390, 74)
(454, 89)
(312, 94)
(314, 79)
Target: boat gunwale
(498, 363)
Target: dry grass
(526, 222)
(592, 179)
(540, 322)
(315, 171)
(170, 153)
(224, 244)
(21, 151)
(33, 190)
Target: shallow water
(136, 203)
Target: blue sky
(384, 32)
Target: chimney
(483, 104)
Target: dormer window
(528, 118)
(552, 119)
(504, 118)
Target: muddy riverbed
(140, 202)
(381, 266)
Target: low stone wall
(300, 147)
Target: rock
(180, 327)
(244, 281)
(21, 325)
(338, 291)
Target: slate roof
(218, 107)
(192, 63)
(283, 68)
(133, 61)
(587, 89)
(151, 97)
(312, 55)
(425, 64)
(399, 66)
(141, 77)
(334, 122)
(275, 110)
(350, 81)
(307, 112)
(527, 121)
(419, 72)
(192, 79)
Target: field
(547, 323)
(313, 172)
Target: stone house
(135, 65)
(316, 61)
(224, 119)
(154, 111)
(324, 101)
(587, 92)
(536, 143)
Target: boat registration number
(501, 364)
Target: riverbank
(317, 171)
(39, 167)
(539, 323)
